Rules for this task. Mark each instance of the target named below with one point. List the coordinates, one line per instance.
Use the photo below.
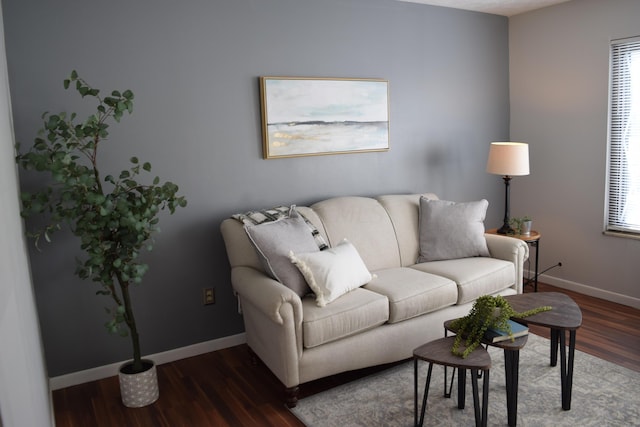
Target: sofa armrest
(272, 315)
(264, 293)
(509, 249)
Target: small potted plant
(487, 312)
(521, 226)
(113, 215)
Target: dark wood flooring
(223, 388)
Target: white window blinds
(623, 201)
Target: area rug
(603, 394)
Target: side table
(511, 350)
(565, 316)
(533, 240)
(439, 352)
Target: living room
(457, 81)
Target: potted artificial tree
(114, 216)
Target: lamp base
(505, 229)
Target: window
(623, 186)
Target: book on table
(496, 335)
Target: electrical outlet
(208, 296)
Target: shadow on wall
(439, 165)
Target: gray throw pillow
(450, 230)
(274, 240)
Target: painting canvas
(313, 116)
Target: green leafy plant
(487, 312)
(518, 224)
(114, 216)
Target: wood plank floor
(223, 388)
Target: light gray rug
(603, 394)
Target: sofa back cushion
(403, 209)
(384, 230)
(366, 224)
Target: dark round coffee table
(564, 316)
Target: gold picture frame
(304, 116)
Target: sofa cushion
(450, 230)
(274, 240)
(366, 224)
(332, 272)
(412, 292)
(403, 209)
(352, 313)
(473, 276)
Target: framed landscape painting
(314, 116)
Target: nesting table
(564, 318)
(439, 352)
(511, 351)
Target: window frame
(613, 223)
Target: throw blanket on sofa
(274, 214)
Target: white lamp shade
(508, 158)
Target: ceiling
(496, 7)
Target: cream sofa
(402, 307)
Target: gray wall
(194, 68)
(24, 387)
(559, 96)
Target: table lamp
(508, 159)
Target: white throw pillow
(450, 230)
(332, 272)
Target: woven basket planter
(141, 389)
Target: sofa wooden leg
(292, 396)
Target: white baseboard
(106, 371)
(591, 291)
